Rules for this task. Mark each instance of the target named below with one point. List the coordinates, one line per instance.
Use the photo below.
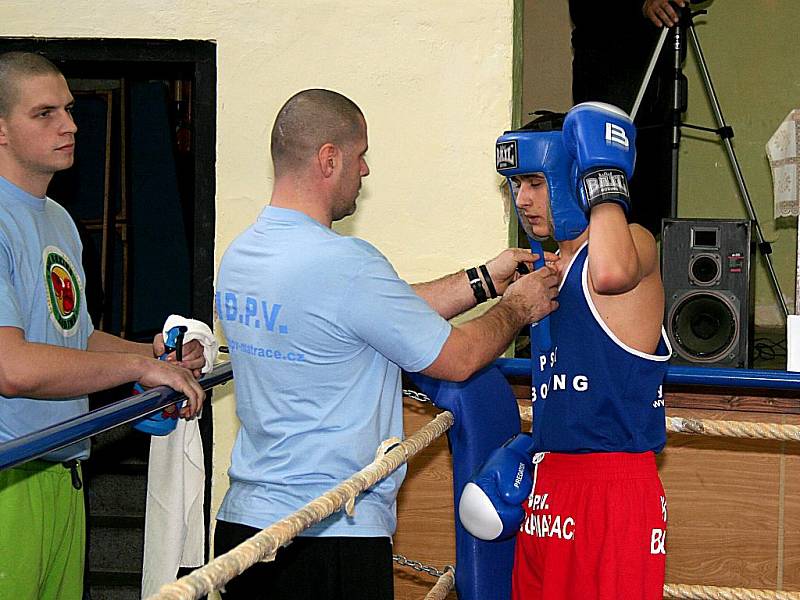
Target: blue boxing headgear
(538, 148)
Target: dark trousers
(313, 568)
(612, 45)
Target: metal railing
(689, 375)
(39, 443)
(36, 444)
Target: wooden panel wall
(734, 505)
(425, 530)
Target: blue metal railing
(60, 435)
(686, 375)
(57, 436)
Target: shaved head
(309, 120)
(15, 66)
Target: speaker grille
(703, 326)
(707, 269)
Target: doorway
(142, 193)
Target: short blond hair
(15, 66)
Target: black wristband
(489, 283)
(476, 285)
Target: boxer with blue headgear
(538, 148)
(578, 175)
(597, 363)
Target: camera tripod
(677, 35)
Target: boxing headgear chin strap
(523, 152)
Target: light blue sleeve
(10, 315)
(382, 310)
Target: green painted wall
(755, 70)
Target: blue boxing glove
(601, 139)
(491, 504)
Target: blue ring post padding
(486, 415)
(60, 435)
(687, 375)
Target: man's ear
(328, 158)
(3, 131)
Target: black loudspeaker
(707, 267)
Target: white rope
(717, 428)
(710, 592)
(443, 585)
(267, 542)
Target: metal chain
(418, 396)
(399, 558)
(418, 566)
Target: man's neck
(290, 194)
(35, 185)
(568, 248)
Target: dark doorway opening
(142, 193)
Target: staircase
(115, 486)
(115, 479)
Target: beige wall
(748, 50)
(435, 84)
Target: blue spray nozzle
(174, 339)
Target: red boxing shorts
(595, 529)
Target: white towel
(174, 532)
(782, 151)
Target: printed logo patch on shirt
(63, 289)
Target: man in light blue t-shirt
(51, 356)
(319, 326)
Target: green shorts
(42, 533)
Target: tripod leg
(679, 99)
(649, 73)
(725, 133)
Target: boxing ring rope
(264, 545)
(41, 442)
(717, 428)
(735, 429)
(704, 592)
(687, 375)
(443, 585)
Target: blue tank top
(592, 393)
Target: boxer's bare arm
(630, 299)
(616, 265)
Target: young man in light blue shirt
(51, 355)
